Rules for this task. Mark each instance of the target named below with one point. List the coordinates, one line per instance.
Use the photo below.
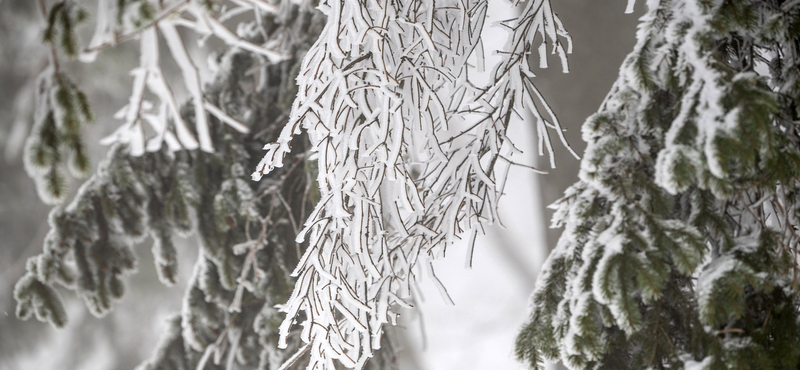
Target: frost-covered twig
(149, 78)
(406, 146)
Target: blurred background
(491, 299)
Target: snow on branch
(407, 146)
(686, 201)
(149, 79)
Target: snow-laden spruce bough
(680, 241)
(679, 249)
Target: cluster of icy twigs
(407, 147)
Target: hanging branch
(406, 147)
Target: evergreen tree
(679, 248)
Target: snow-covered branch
(407, 146)
(149, 80)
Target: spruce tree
(679, 248)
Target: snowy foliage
(61, 110)
(406, 146)
(206, 20)
(152, 115)
(679, 247)
(245, 229)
